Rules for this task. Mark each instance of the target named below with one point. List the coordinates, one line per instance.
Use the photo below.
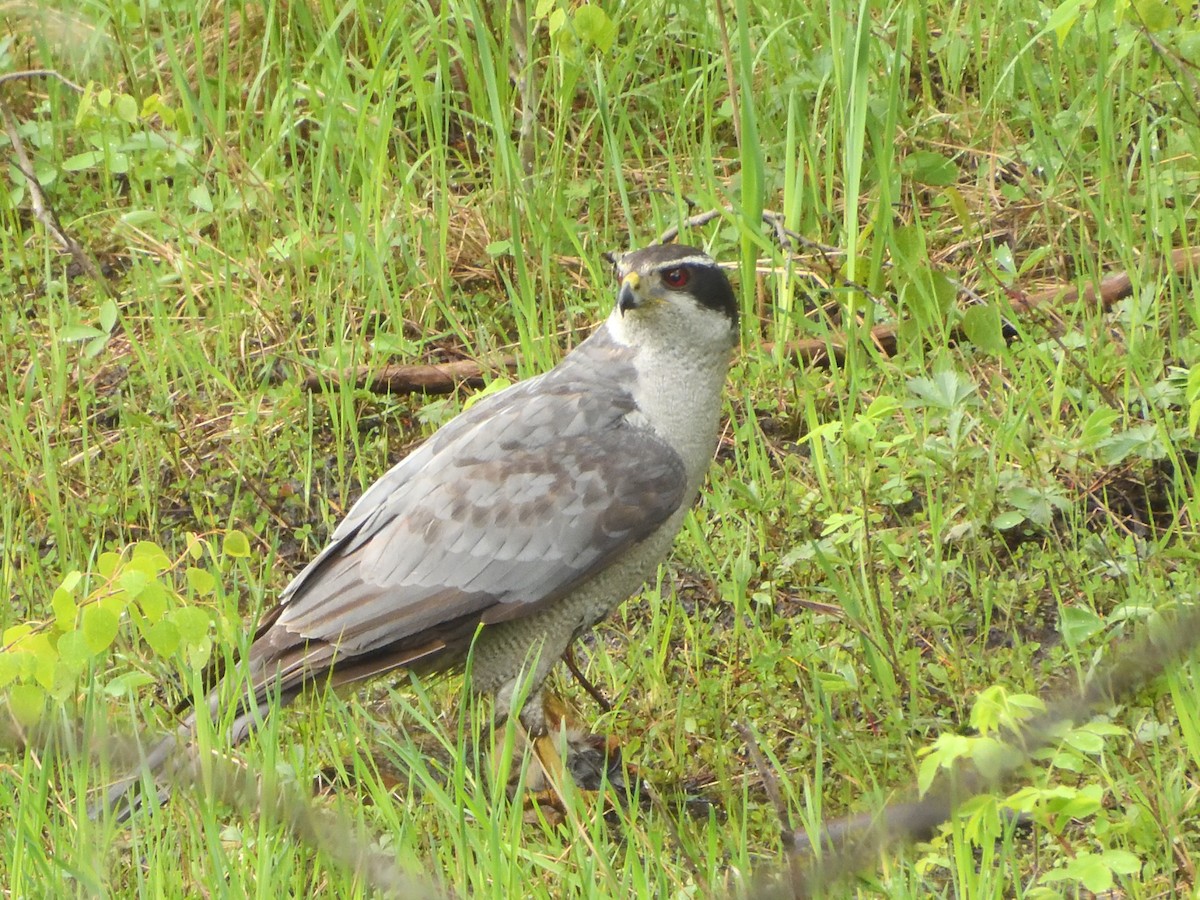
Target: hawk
(518, 525)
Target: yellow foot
(545, 798)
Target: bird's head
(677, 293)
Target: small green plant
(996, 715)
(168, 605)
(578, 26)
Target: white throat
(678, 389)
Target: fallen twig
(40, 73)
(822, 351)
(430, 378)
(444, 378)
(771, 785)
(233, 784)
(853, 843)
(42, 210)
(786, 237)
(594, 692)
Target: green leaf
(41, 658)
(74, 334)
(1090, 870)
(200, 581)
(962, 212)
(99, 627)
(115, 601)
(201, 198)
(64, 608)
(992, 757)
(133, 581)
(1002, 256)
(192, 623)
(108, 315)
(492, 387)
(394, 345)
(1064, 17)
(594, 27)
(127, 109)
(1084, 742)
(1098, 427)
(1006, 520)
(139, 217)
(81, 161)
(1192, 393)
(983, 328)
(10, 666)
(127, 684)
(74, 651)
(195, 546)
(163, 637)
(1122, 862)
(1078, 624)
(94, 347)
(15, 634)
(1078, 803)
(153, 601)
(860, 435)
(1155, 15)
(988, 709)
(946, 390)
(236, 545)
(930, 168)
(27, 702)
(1141, 440)
(930, 766)
(108, 563)
(151, 556)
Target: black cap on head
(707, 281)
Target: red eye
(676, 278)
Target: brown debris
(445, 378)
(1114, 288)
(430, 378)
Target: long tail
(276, 671)
(127, 796)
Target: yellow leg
(559, 733)
(554, 772)
(550, 760)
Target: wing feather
(508, 507)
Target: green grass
(302, 186)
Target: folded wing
(510, 507)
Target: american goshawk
(519, 524)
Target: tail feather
(277, 671)
(125, 798)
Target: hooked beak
(628, 298)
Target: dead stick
(42, 210)
(771, 785)
(854, 843)
(431, 378)
(784, 236)
(444, 378)
(40, 73)
(816, 351)
(594, 692)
